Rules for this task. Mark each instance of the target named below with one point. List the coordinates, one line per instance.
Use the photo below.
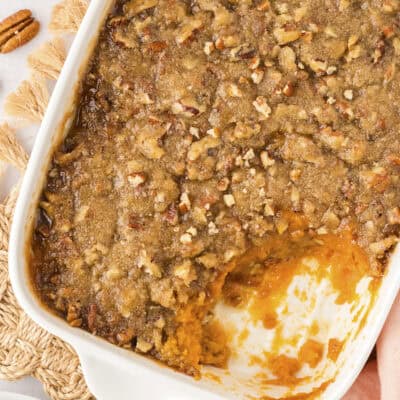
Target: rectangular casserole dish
(112, 372)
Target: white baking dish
(114, 373)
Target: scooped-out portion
(290, 307)
(230, 162)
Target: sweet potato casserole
(207, 129)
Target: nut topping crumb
(249, 155)
(348, 94)
(186, 238)
(284, 37)
(257, 76)
(194, 132)
(288, 89)
(136, 179)
(212, 228)
(261, 105)
(205, 128)
(266, 160)
(208, 48)
(229, 200)
(185, 204)
(187, 29)
(192, 230)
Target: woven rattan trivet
(25, 348)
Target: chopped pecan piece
(157, 46)
(134, 7)
(125, 336)
(187, 29)
(91, 317)
(283, 36)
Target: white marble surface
(13, 69)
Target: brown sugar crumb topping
(203, 127)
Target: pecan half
(17, 30)
(14, 19)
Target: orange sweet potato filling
(263, 275)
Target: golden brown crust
(203, 127)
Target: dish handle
(108, 381)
